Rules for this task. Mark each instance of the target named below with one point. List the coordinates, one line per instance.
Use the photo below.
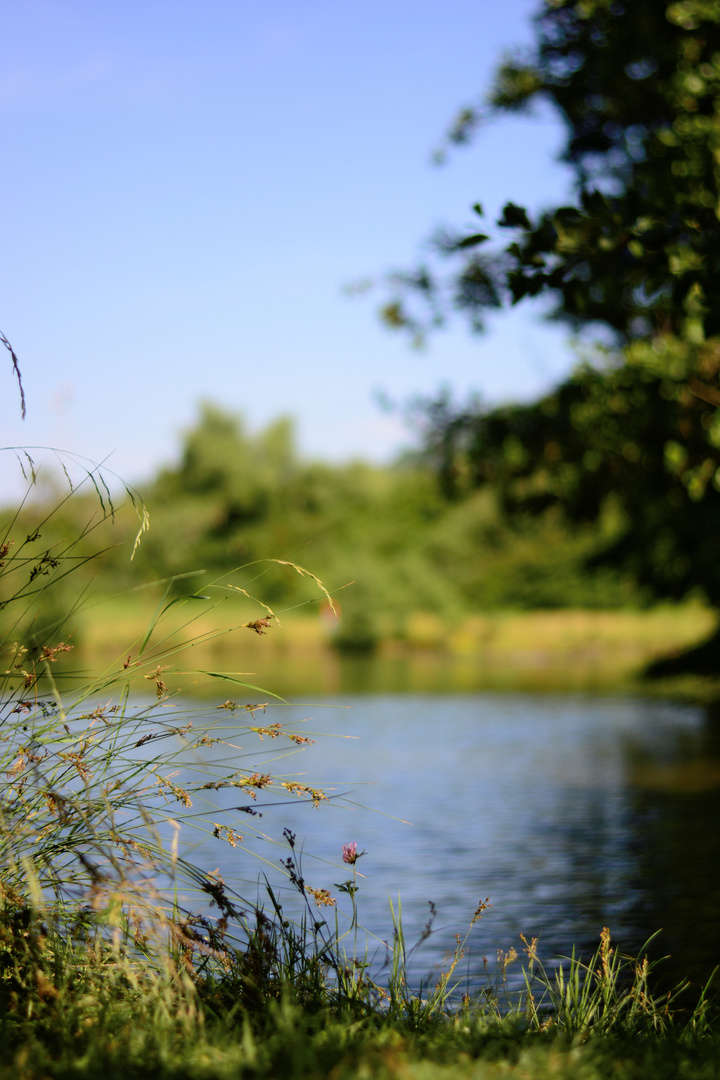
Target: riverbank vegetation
(152, 926)
(114, 1017)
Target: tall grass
(104, 786)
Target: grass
(122, 956)
(107, 1018)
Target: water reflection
(569, 812)
(675, 793)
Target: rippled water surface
(570, 813)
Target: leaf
(471, 241)
(514, 217)
(231, 678)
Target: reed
(104, 786)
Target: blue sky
(187, 188)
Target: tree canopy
(636, 252)
(638, 88)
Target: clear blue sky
(187, 187)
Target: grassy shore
(121, 958)
(534, 651)
(299, 1046)
(102, 1015)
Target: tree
(638, 253)
(637, 86)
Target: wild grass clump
(104, 783)
(612, 993)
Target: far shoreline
(556, 651)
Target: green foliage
(622, 442)
(608, 995)
(389, 540)
(86, 1010)
(51, 546)
(389, 534)
(637, 86)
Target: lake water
(569, 812)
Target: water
(569, 812)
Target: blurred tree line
(385, 540)
(235, 498)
